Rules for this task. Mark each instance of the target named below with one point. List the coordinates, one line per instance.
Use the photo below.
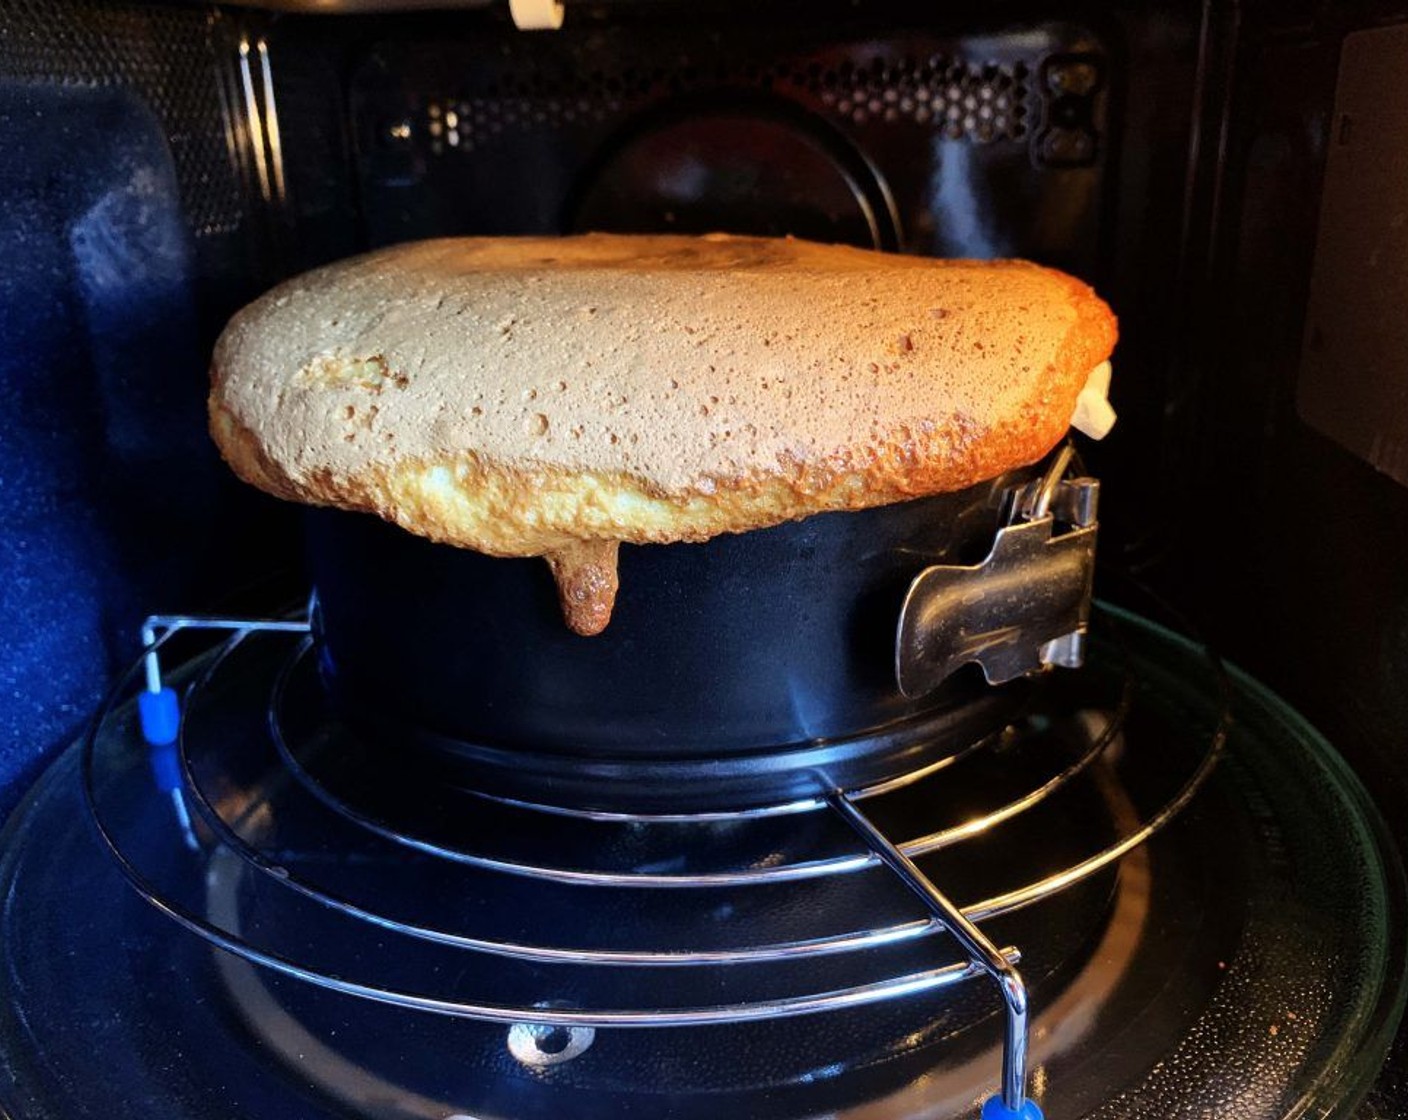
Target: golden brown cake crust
(522, 396)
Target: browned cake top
(555, 396)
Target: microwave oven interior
(1231, 176)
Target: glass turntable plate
(351, 939)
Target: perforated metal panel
(923, 141)
(982, 102)
(167, 56)
(977, 101)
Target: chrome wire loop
(226, 851)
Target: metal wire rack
(162, 731)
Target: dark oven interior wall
(1298, 547)
(155, 196)
(127, 232)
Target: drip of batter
(587, 582)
